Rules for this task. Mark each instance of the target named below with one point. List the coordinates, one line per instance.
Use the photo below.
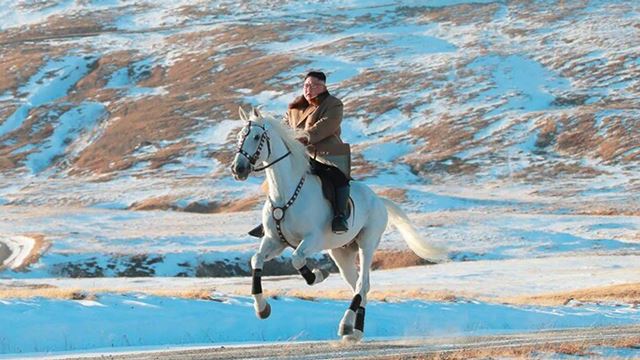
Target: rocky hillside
(435, 91)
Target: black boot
(257, 231)
(339, 224)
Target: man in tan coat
(319, 115)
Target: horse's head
(252, 139)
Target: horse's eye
(256, 138)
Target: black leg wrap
(355, 303)
(360, 319)
(309, 276)
(256, 286)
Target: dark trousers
(337, 177)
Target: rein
(273, 163)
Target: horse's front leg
(299, 257)
(269, 248)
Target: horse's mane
(288, 136)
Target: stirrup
(257, 231)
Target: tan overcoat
(321, 121)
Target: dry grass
(196, 85)
(628, 293)
(579, 136)
(313, 294)
(36, 127)
(196, 294)
(620, 139)
(547, 134)
(543, 172)
(51, 292)
(625, 293)
(631, 342)
(45, 292)
(239, 205)
(444, 138)
(92, 85)
(608, 211)
(20, 62)
(545, 15)
(57, 26)
(360, 167)
(463, 14)
(208, 207)
(396, 259)
(155, 203)
(48, 291)
(395, 194)
(146, 120)
(542, 351)
(390, 87)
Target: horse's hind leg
(345, 259)
(269, 248)
(368, 242)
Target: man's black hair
(318, 75)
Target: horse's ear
(257, 113)
(243, 115)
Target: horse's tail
(416, 243)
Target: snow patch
(15, 251)
(68, 128)
(52, 82)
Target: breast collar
(278, 212)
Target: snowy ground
(114, 321)
(475, 224)
(501, 247)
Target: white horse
(296, 214)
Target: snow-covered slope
(489, 90)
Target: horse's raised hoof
(320, 276)
(354, 337)
(264, 313)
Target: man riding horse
(269, 145)
(318, 115)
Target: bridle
(264, 138)
(277, 212)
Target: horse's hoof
(345, 330)
(264, 313)
(354, 337)
(320, 275)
